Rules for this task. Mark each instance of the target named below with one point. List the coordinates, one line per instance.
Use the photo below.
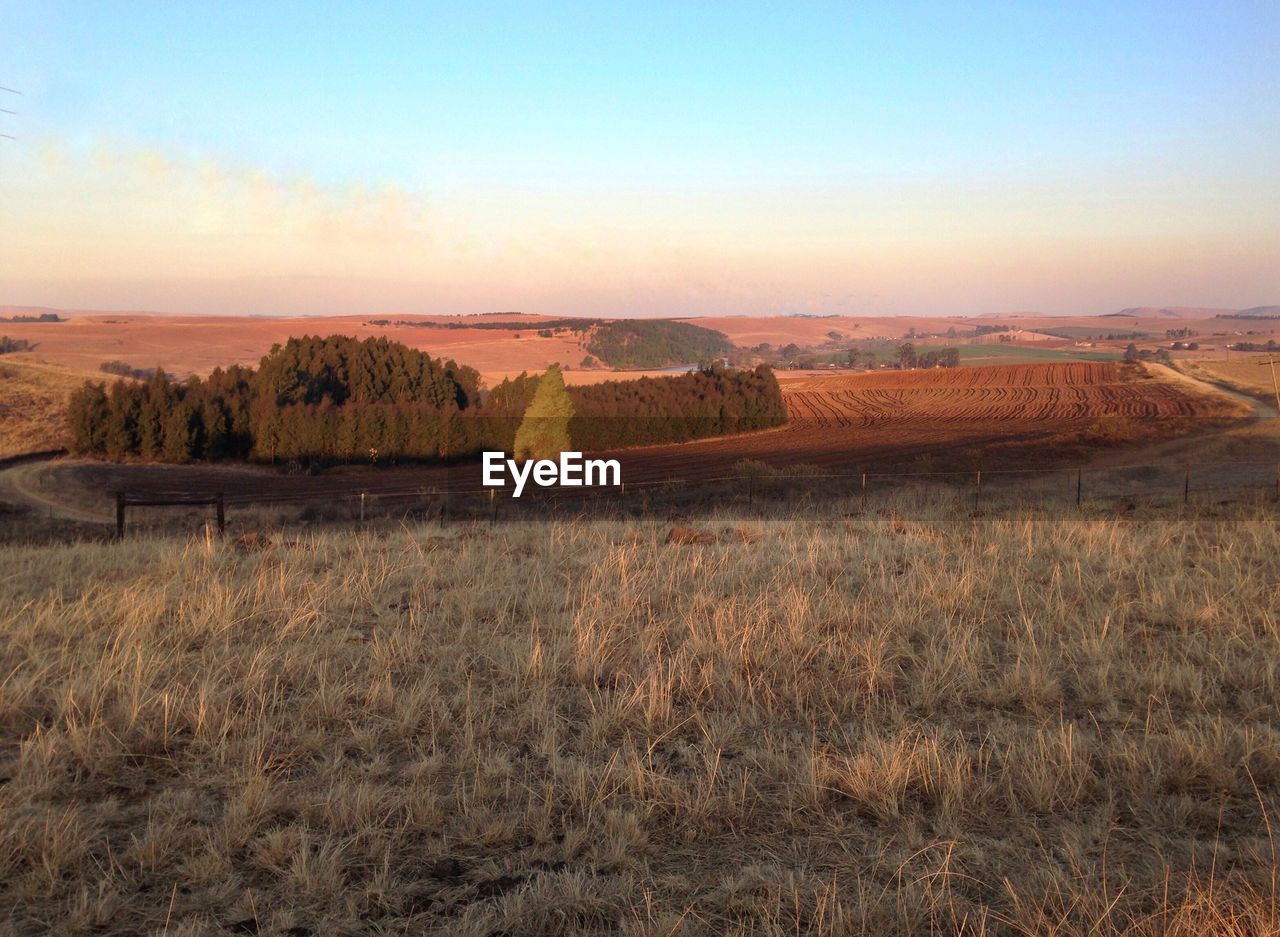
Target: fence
(988, 491)
(125, 500)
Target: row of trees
(554, 325)
(711, 401)
(619, 343)
(655, 343)
(1269, 345)
(158, 419)
(1133, 353)
(28, 317)
(340, 399)
(125, 369)
(312, 397)
(911, 357)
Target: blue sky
(644, 159)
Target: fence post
(493, 506)
(977, 492)
(751, 490)
(1186, 486)
(222, 514)
(1079, 486)
(362, 507)
(864, 492)
(119, 515)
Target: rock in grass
(253, 543)
(680, 534)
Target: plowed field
(1039, 393)
(998, 416)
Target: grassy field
(1244, 373)
(1019, 354)
(1101, 330)
(33, 404)
(810, 727)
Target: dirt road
(1262, 411)
(21, 484)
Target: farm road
(1261, 411)
(21, 484)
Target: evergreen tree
(217, 432)
(152, 414)
(544, 431)
(180, 434)
(123, 406)
(89, 415)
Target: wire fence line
(1070, 489)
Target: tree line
(710, 401)
(619, 343)
(1132, 354)
(1269, 345)
(911, 357)
(125, 369)
(337, 398)
(42, 317)
(344, 400)
(655, 343)
(505, 325)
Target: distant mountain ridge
(1170, 312)
(1132, 312)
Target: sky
(640, 159)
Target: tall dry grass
(849, 726)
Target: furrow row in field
(1072, 390)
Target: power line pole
(5, 110)
(1274, 386)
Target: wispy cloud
(116, 211)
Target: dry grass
(863, 726)
(33, 404)
(1244, 373)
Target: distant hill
(7, 311)
(1170, 312)
(655, 343)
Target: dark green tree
(89, 415)
(181, 433)
(544, 431)
(157, 399)
(123, 406)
